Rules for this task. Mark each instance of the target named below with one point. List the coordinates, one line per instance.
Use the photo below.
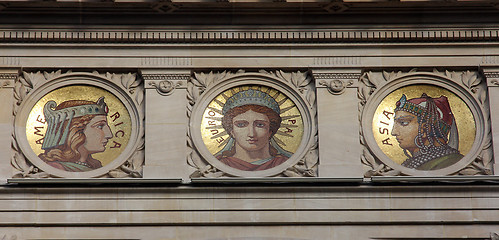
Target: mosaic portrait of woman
(252, 128)
(251, 118)
(423, 128)
(426, 130)
(76, 130)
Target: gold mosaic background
(464, 119)
(215, 138)
(89, 93)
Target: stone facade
(334, 63)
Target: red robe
(246, 166)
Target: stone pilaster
(7, 78)
(166, 123)
(337, 107)
(492, 78)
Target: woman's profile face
(97, 134)
(251, 130)
(405, 129)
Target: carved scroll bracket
(166, 84)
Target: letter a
(116, 145)
(386, 142)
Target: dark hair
(274, 119)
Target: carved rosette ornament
(78, 125)
(425, 123)
(252, 124)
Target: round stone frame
(248, 79)
(69, 80)
(428, 79)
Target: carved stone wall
(337, 62)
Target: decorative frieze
(165, 61)
(491, 74)
(10, 61)
(154, 77)
(8, 76)
(320, 76)
(486, 60)
(337, 61)
(243, 35)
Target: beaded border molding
(247, 36)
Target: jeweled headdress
(436, 113)
(253, 97)
(55, 135)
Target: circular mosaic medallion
(424, 127)
(433, 128)
(251, 130)
(77, 126)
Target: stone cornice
(277, 36)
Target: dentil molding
(142, 36)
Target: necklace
(435, 152)
(83, 164)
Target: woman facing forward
(251, 118)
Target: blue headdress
(253, 97)
(55, 135)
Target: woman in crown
(426, 130)
(76, 130)
(251, 118)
